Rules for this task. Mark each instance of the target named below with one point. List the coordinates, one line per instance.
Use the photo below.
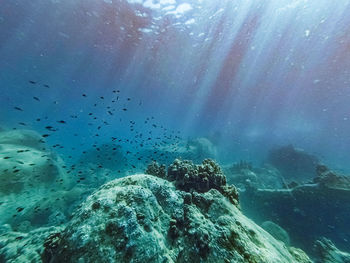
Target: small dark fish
(84, 95)
(7, 157)
(109, 112)
(22, 123)
(129, 99)
(36, 98)
(32, 82)
(62, 122)
(45, 135)
(18, 108)
(46, 86)
(37, 119)
(19, 209)
(16, 171)
(125, 109)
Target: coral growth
(143, 218)
(199, 178)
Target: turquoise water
(117, 84)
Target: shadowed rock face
(328, 253)
(294, 164)
(143, 218)
(326, 201)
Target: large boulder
(306, 211)
(327, 252)
(144, 218)
(35, 188)
(293, 163)
(17, 247)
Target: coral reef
(143, 218)
(293, 163)
(200, 178)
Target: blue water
(149, 77)
(252, 74)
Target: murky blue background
(248, 74)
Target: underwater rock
(327, 252)
(17, 247)
(201, 178)
(243, 175)
(35, 190)
(157, 170)
(327, 178)
(326, 202)
(293, 163)
(276, 231)
(196, 150)
(143, 218)
(24, 138)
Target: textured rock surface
(243, 174)
(200, 178)
(276, 231)
(329, 179)
(143, 218)
(328, 253)
(293, 163)
(307, 211)
(17, 247)
(35, 190)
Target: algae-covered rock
(17, 247)
(293, 163)
(327, 252)
(143, 218)
(276, 231)
(35, 189)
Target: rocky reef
(18, 247)
(166, 218)
(293, 163)
(35, 188)
(200, 178)
(243, 174)
(327, 252)
(307, 212)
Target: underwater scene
(175, 131)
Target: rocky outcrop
(293, 163)
(306, 211)
(35, 189)
(276, 231)
(243, 175)
(326, 178)
(17, 247)
(143, 218)
(327, 252)
(200, 178)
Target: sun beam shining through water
(105, 87)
